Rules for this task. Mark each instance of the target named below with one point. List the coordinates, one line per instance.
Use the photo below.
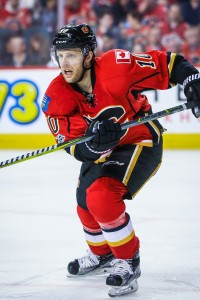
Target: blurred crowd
(28, 26)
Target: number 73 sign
(21, 98)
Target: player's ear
(89, 56)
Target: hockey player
(93, 95)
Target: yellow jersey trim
(132, 163)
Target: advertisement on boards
(22, 91)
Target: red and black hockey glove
(107, 135)
(191, 86)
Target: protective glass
(54, 58)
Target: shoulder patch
(45, 103)
(122, 56)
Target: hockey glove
(107, 135)
(191, 86)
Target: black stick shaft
(84, 139)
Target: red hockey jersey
(119, 77)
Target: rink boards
(23, 125)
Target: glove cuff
(95, 151)
(190, 80)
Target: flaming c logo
(85, 29)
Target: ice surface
(40, 232)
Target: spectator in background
(138, 47)
(105, 24)
(76, 9)
(191, 11)
(152, 10)
(172, 42)
(140, 42)
(191, 48)
(15, 52)
(132, 25)
(131, 28)
(154, 15)
(121, 8)
(38, 49)
(49, 17)
(99, 6)
(108, 42)
(175, 22)
(12, 11)
(36, 12)
(126, 23)
(14, 26)
(154, 39)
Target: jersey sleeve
(152, 70)
(159, 70)
(140, 71)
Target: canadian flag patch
(122, 56)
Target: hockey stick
(84, 139)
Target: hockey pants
(101, 193)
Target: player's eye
(71, 55)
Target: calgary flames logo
(85, 29)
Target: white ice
(40, 232)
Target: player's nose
(64, 62)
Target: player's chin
(68, 78)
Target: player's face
(71, 64)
